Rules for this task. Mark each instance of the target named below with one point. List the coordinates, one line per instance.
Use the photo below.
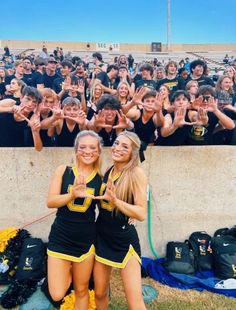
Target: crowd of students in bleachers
(47, 100)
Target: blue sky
(121, 21)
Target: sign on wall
(108, 47)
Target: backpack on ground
(179, 258)
(32, 262)
(200, 243)
(224, 254)
(221, 231)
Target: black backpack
(221, 232)
(32, 262)
(179, 258)
(224, 254)
(200, 243)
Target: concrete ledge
(193, 188)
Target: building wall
(124, 47)
(193, 188)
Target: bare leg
(102, 275)
(59, 277)
(81, 275)
(131, 277)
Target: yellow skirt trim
(130, 253)
(70, 257)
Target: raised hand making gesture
(79, 189)
(138, 96)
(123, 121)
(179, 119)
(158, 103)
(80, 87)
(202, 117)
(100, 120)
(212, 104)
(80, 118)
(110, 192)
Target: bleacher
(213, 59)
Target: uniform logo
(178, 252)
(28, 263)
(31, 246)
(234, 270)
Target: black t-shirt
(37, 78)
(66, 95)
(8, 79)
(27, 78)
(48, 79)
(202, 135)
(118, 80)
(137, 77)
(86, 84)
(144, 131)
(90, 113)
(103, 77)
(107, 137)
(147, 83)
(67, 137)
(174, 84)
(17, 100)
(2, 90)
(203, 80)
(11, 132)
(46, 140)
(57, 84)
(179, 137)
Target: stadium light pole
(168, 25)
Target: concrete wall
(193, 188)
(124, 47)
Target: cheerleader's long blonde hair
(127, 184)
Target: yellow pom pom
(92, 304)
(5, 236)
(69, 302)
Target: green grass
(172, 299)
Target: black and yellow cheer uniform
(73, 233)
(117, 241)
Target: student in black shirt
(19, 72)
(197, 69)
(123, 76)
(45, 108)
(15, 119)
(194, 126)
(204, 133)
(107, 79)
(28, 74)
(96, 93)
(70, 122)
(109, 120)
(146, 79)
(50, 75)
(14, 90)
(37, 76)
(65, 70)
(80, 74)
(3, 74)
(172, 80)
(148, 118)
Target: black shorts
(116, 243)
(71, 241)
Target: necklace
(110, 135)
